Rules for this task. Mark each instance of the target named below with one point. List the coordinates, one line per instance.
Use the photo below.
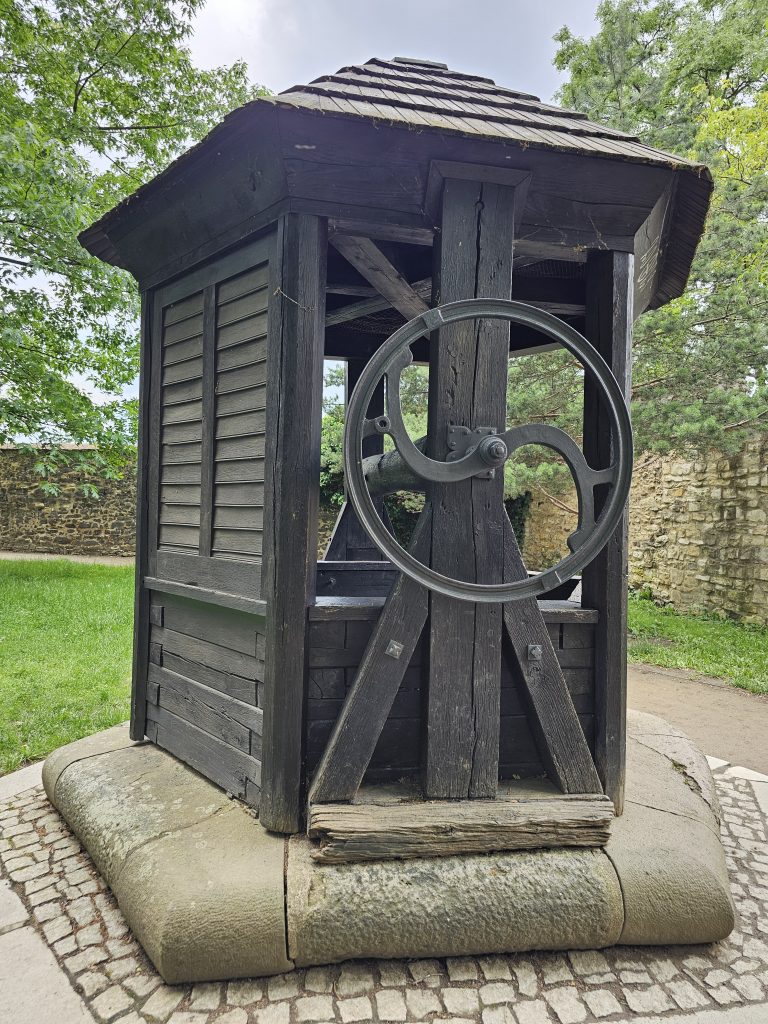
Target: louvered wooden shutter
(200, 661)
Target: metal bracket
(462, 440)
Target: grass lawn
(65, 654)
(713, 647)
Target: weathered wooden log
(360, 832)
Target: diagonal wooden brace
(378, 679)
(559, 736)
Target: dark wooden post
(294, 402)
(141, 597)
(468, 386)
(610, 285)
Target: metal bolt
(394, 649)
(535, 652)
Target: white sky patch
(290, 42)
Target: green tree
(691, 76)
(95, 99)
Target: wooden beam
(556, 728)
(376, 683)
(362, 291)
(467, 386)
(354, 310)
(442, 828)
(294, 410)
(367, 259)
(610, 287)
(147, 366)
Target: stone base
(211, 895)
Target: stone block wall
(68, 523)
(698, 532)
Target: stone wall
(68, 523)
(698, 532)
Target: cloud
(287, 42)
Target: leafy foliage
(95, 99)
(691, 76)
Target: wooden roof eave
(685, 228)
(97, 239)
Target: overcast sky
(290, 42)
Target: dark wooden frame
(294, 401)
(610, 288)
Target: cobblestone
(77, 916)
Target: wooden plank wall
(205, 690)
(199, 662)
(336, 647)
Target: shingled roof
(279, 135)
(424, 94)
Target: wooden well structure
(309, 226)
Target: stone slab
(199, 881)
(12, 912)
(104, 742)
(34, 989)
(17, 782)
(450, 906)
(211, 895)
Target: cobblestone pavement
(74, 913)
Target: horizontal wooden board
(251, 280)
(183, 308)
(241, 542)
(242, 471)
(179, 536)
(192, 648)
(188, 348)
(186, 370)
(250, 422)
(235, 630)
(249, 328)
(241, 517)
(368, 606)
(184, 391)
(243, 354)
(214, 573)
(242, 308)
(247, 446)
(238, 494)
(177, 694)
(241, 377)
(183, 452)
(217, 761)
(439, 828)
(250, 605)
(230, 707)
(407, 704)
(241, 689)
(247, 399)
(188, 494)
(181, 433)
(180, 515)
(183, 412)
